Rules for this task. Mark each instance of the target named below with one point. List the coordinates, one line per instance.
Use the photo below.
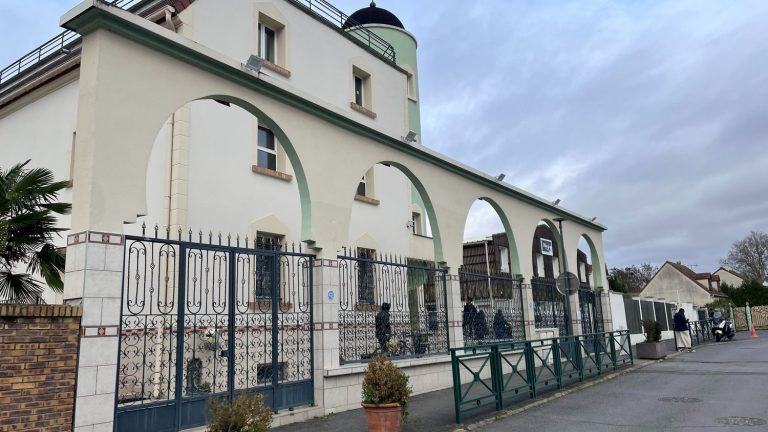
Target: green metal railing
(491, 375)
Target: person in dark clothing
(383, 327)
(481, 326)
(499, 325)
(682, 335)
(468, 317)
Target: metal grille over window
(212, 314)
(493, 307)
(390, 305)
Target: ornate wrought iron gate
(498, 304)
(204, 320)
(591, 312)
(549, 305)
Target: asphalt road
(688, 392)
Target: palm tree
(27, 228)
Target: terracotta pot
(384, 418)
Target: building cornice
(88, 17)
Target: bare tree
(633, 278)
(749, 256)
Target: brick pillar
(326, 323)
(94, 272)
(38, 360)
(455, 307)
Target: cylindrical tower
(387, 26)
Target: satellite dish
(567, 283)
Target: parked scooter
(721, 328)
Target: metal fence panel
(493, 375)
(661, 315)
(632, 311)
(496, 312)
(390, 305)
(549, 309)
(210, 319)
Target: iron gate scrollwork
(591, 311)
(496, 312)
(549, 308)
(211, 319)
(390, 305)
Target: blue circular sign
(330, 295)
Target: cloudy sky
(650, 115)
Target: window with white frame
(504, 259)
(267, 43)
(267, 152)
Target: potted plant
(653, 348)
(209, 340)
(385, 395)
(245, 413)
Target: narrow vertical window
(268, 41)
(358, 90)
(267, 156)
(361, 187)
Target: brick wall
(38, 361)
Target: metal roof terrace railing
(65, 43)
(61, 45)
(336, 18)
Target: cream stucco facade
(670, 284)
(159, 125)
(729, 277)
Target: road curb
(564, 392)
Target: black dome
(372, 15)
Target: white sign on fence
(546, 247)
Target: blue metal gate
(211, 319)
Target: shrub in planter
(385, 395)
(652, 330)
(246, 413)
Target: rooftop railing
(60, 46)
(336, 18)
(65, 43)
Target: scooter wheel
(717, 338)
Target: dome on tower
(372, 15)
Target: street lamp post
(564, 265)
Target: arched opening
(228, 196)
(589, 274)
(550, 309)
(391, 278)
(220, 164)
(490, 280)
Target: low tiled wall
(38, 362)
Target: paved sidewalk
(720, 387)
(429, 411)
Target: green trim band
(98, 17)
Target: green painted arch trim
(513, 252)
(293, 157)
(430, 209)
(597, 267)
(97, 17)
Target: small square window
(267, 155)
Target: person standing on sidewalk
(682, 334)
